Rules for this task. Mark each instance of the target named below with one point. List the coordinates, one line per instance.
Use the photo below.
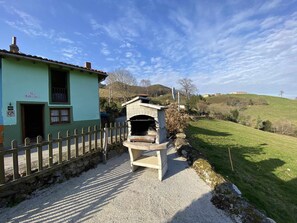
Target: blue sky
(223, 46)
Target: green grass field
(265, 164)
(277, 109)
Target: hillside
(261, 107)
(264, 163)
(153, 91)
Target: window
(60, 115)
(59, 86)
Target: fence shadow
(76, 200)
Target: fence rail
(51, 152)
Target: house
(39, 96)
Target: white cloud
(128, 54)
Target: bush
(285, 127)
(234, 114)
(176, 121)
(264, 125)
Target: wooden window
(60, 115)
(59, 86)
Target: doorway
(32, 120)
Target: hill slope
(153, 90)
(265, 164)
(259, 106)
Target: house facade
(39, 96)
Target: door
(32, 120)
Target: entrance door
(32, 120)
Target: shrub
(176, 121)
(285, 127)
(234, 114)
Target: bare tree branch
(119, 81)
(187, 86)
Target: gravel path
(111, 193)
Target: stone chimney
(13, 47)
(88, 65)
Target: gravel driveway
(111, 193)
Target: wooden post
(75, 142)
(101, 138)
(105, 144)
(39, 151)
(2, 169)
(28, 156)
(230, 158)
(83, 140)
(125, 131)
(68, 144)
(15, 159)
(120, 126)
(60, 142)
(116, 132)
(90, 138)
(110, 132)
(96, 136)
(50, 150)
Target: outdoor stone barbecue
(146, 132)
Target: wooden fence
(51, 152)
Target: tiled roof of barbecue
(4, 53)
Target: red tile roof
(5, 53)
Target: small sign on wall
(10, 113)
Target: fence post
(110, 132)
(96, 136)
(116, 131)
(90, 138)
(75, 142)
(15, 157)
(125, 130)
(68, 144)
(50, 149)
(105, 141)
(102, 136)
(83, 139)
(39, 151)
(60, 142)
(120, 125)
(2, 169)
(28, 156)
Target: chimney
(13, 47)
(88, 65)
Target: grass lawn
(265, 163)
(277, 109)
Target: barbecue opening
(143, 129)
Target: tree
(187, 86)
(145, 83)
(119, 81)
(281, 93)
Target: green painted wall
(25, 82)
(84, 96)
(1, 116)
(22, 81)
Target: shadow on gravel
(200, 211)
(77, 199)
